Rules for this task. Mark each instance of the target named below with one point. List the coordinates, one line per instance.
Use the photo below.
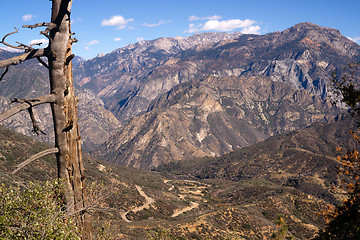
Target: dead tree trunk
(63, 104)
(64, 109)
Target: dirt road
(147, 204)
(180, 211)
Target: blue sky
(103, 26)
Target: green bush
(34, 212)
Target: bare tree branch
(4, 73)
(42, 62)
(73, 40)
(47, 30)
(16, 31)
(34, 53)
(24, 105)
(43, 24)
(36, 128)
(69, 58)
(34, 157)
(9, 45)
(50, 26)
(28, 47)
(22, 46)
(45, 34)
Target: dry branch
(73, 40)
(25, 105)
(69, 58)
(36, 128)
(4, 73)
(34, 157)
(9, 45)
(43, 24)
(33, 53)
(28, 48)
(50, 26)
(42, 63)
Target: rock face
(127, 79)
(211, 117)
(29, 81)
(212, 98)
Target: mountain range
(170, 99)
(218, 96)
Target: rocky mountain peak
(175, 44)
(308, 26)
(211, 37)
(315, 37)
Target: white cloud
(251, 30)
(161, 22)
(140, 39)
(93, 42)
(355, 39)
(27, 17)
(196, 18)
(227, 25)
(246, 25)
(119, 21)
(37, 41)
(117, 39)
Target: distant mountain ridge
(129, 78)
(119, 76)
(204, 95)
(213, 98)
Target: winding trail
(182, 196)
(147, 204)
(149, 201)
(178, 212)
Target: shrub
(34, 212)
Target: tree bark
(64, 109)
